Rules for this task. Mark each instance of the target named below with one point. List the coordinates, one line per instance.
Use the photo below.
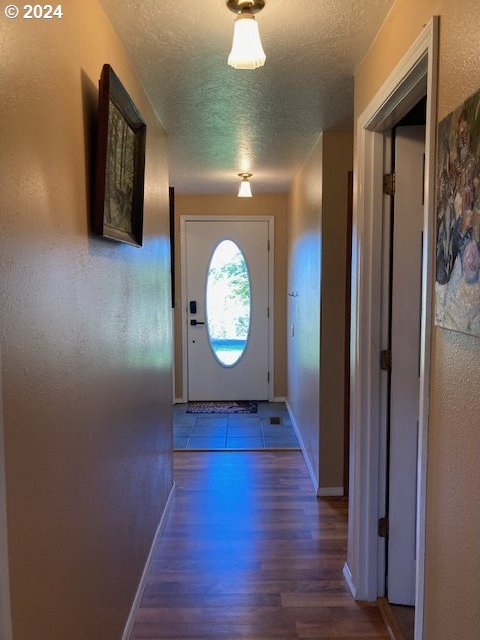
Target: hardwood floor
(249, 552)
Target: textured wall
(453, 506)
(317, 232)
(303, 315)
(85, 339)
(260, 205)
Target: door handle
(195, 322)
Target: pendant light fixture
(247, 51)
(245, 190)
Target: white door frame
(412, 78)
(183, 258)
(5, 610)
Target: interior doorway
(414, 77)
(403, 245)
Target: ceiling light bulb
(245, 190)
(247, 51)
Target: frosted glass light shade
(247, 51)
(245, 191)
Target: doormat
(235, 406)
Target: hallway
(250, 552)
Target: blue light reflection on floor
(229, 508)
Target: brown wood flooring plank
(249, 552)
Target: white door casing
(413, 77)
(204, 375)
(405, 373)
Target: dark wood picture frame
(120, 167)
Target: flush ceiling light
(245, 190)
(247, 51)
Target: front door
(227, 295)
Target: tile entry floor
(221, 431)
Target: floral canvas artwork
(457, 286)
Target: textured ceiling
(220, 120)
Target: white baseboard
(332, 492)
(303, 448)
(347, 574)
(279, 399)
(143, 580)
(179, 401)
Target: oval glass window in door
(228, 303)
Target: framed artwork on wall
(457, 286)
(120, 166)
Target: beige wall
(85, 340)
(337, 162)
(317, 230)
(452, 594)
(260, 205)
(303, 315)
